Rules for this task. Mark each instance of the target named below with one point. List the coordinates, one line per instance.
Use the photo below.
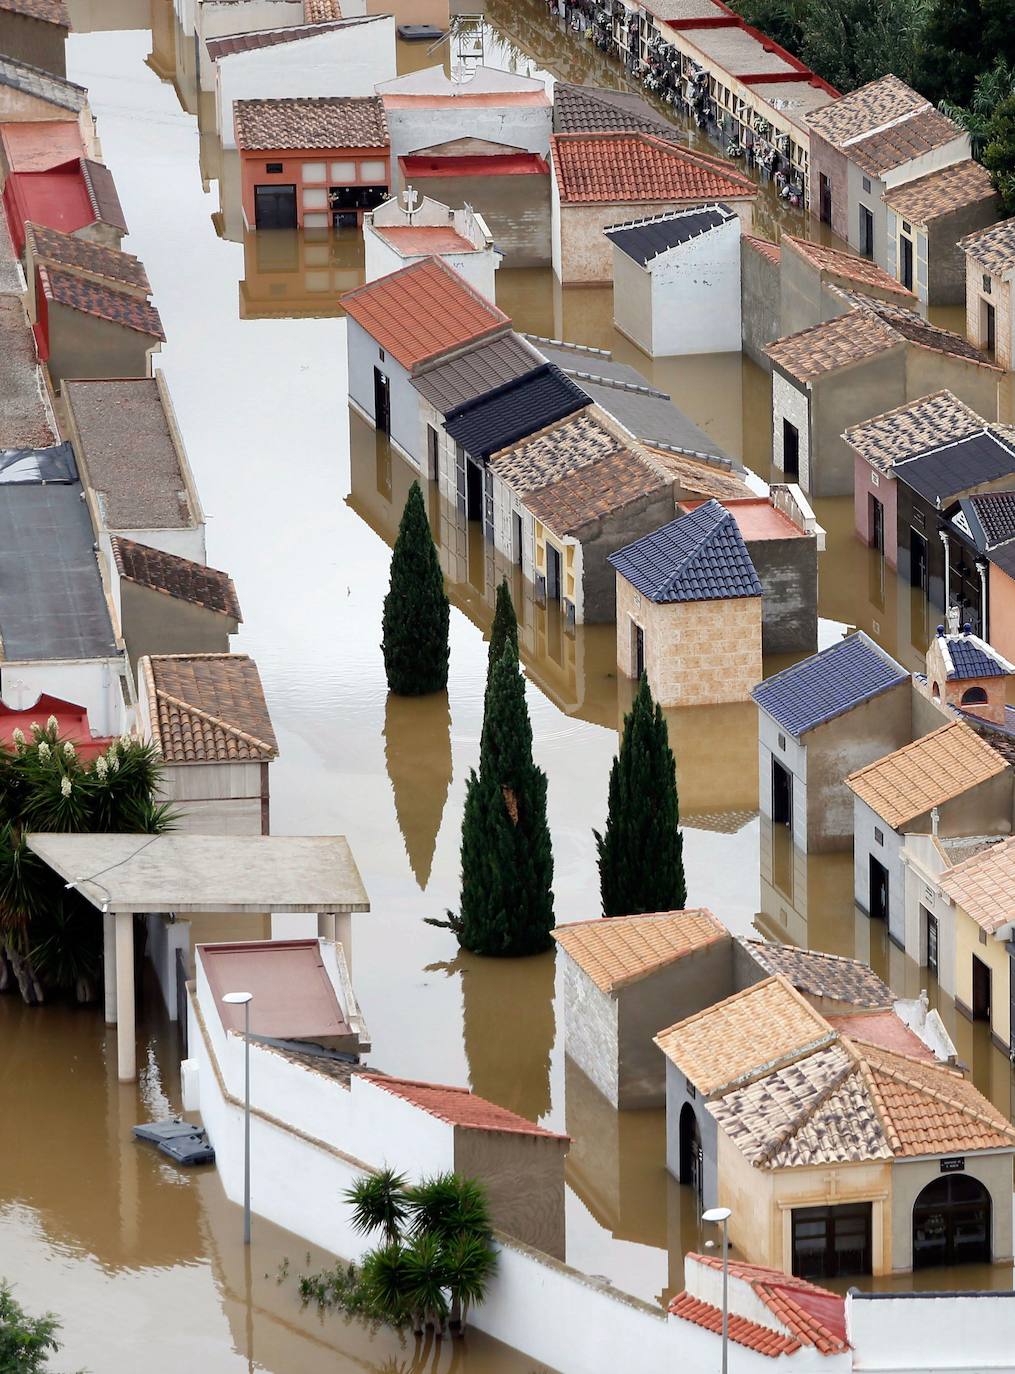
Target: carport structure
(128, 875)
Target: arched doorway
(690, 1150)
(951, 1223)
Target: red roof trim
(761, 1339)
(460, 1107)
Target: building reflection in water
(290, 273)
(417, 752)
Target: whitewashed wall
(696, 295)
(404, 400)
(96, 684)
(792, 404)
(915, 1333)
(479, 268)
(922, 866)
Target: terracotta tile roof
(92, 298)
(929, 1110)
(867, 108)
(814, 1112)
(585, 109)
(341, 121)
(917, 330)
(267, 38)
(993, 248)
(460, 1107)
(908, 429)
(320, 11)
(884, 1030)
(561, 448)
(850, 338)
(208, 708)
(927, 773)
(856, 269)
(699, 478)
(813, 1316)
(419, 240)
(984, 886)
(595, 492)
(745, 1036)
(765, 247)
(66, 250)
(752, 1335)
(48, 11)
(823, 975)
(177, 577)
(634, 167)
(900, 143)
(101, 189)
(616, 951)
(423, 311)
(938, 193)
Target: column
(326, 925)
(109, 965)
(126, 1049)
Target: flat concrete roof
(293, 997)
(227, 873)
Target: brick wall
(826, 159)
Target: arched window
(973, 696)
(936, 692)
(951, 1223)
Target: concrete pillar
(326, 925)
(109, 965)
(343, 934)
(126, 1049)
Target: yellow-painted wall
(995, 956)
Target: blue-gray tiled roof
(828, 684)
(950, 469)
(969, 660)
(514, 410)
(642, 241)
(700, 556)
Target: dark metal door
(951, 1223)
(275, 207)
(981, 990)
(879, 890)
(906, 245)
(991, 329)
(790, 451)
(826, 198)
(877, 524)
(382, 402)
(639, 651)
(181, 1000)
(782, 794)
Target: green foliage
(991, 88)
(416, 610)
(850, 42)
(379, 1203)
(641, 864)
(503, 631)
(26, 1343)
(999, 154)
(507, 859)
(962, 40)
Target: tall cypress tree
(503, 631)
(507, 860)
(416, 611)
(641, 852)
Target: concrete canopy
(222, 873)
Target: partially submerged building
(990, 274)
(31, 94)
(396, 234)
(929, 218)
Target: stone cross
(411, 197)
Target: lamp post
(244, 999)
(723, 1214)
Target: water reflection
(417, 751)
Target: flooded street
(303, 504)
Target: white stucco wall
(363, 356)
(696, 295)
(793, 757)
(97, 684)
(222, 18)
(479, 268)
(922, 866)
(914, 1333)
(347, 61)
(888, 853)
(791, 403)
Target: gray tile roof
(971, 658)
(993, 512)
(584, 109)
(20, 76)
(828, 684)
(700, 556)
(948, 470)
(644, 240)
(823, 975)
(478, 370)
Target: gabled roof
(105, 303)
(927, 1109)
(703, 478)
(914, 328)
(927, 773)
(596, 491)
(823, 975)
(984, 886)
(589, 109)
(55, 90)
(270, 38)
(900, 143)
(912, 428)
(177, 577)
(828, 684)
(460, 1107)
(616, 951)
(941, 192)
(514, 410)
(861, 271)
(700, 556)
(745, 1036)
(967, 656)
(952, 468)
(475, 371)
(101, 189)
(341, 121)
(423, 311)
(632, 167)
(46, 11)
(883, 107)
(993, 248)
(560, 448)
(989, 517)
(67, 250)
(208, 708)
(741, 1330)
(644, 240)
(767, 249)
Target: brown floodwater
(303, 503)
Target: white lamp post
(723, 1214)
(244, 999)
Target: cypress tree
(507, 861)
(503, 631)
(416, 611)
(641, 863)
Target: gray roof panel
(490, 364)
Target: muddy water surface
(303, 503)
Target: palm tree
(383, 1282)
(455, 1212)
(379, 1203)
(425, 1280)
(470, 1262)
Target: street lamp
(723, 1214)
(244, 999)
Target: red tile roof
(760, 1339)
(268, 38)
(460, 1106)
(765, 247)
(67, 250)
(633, 167)
(414, 240)
(92, 298)
(883, 1028)
(48, 11)
(175, 576)
(813, 1315)
(423, 311)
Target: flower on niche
(101, 767)
(65, 786)
(68, 750)
(18, 737)
(52, 723)
(44, 750)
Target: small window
(782, 741)
(875, 479)
(867, 184)
(691, 1091)
(906, 228)
(986, 284)
(380, 354)
(973, 696)
(919, 518)
(273, 166)
(983, 937)
(879, 836)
